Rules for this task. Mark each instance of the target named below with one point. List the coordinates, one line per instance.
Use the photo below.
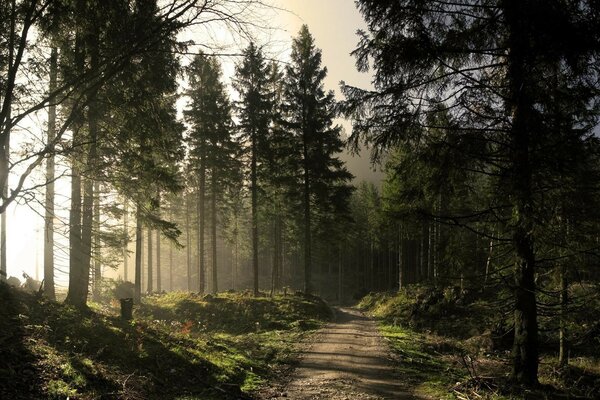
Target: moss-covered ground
(454, 346)
(178, 346)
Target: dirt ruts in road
(347, 359)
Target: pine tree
(254, 112)
(309, 117)
(212, 148)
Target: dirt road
(348, 359)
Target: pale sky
(333, 23)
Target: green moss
(59, 389)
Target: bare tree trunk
(150, 275)
(158, 271)
(125, 245)
(170, 266)
(235, 262)
(49, 290)
(488, 263)
(563, 354)
(80, 218)
(138, 256)
(254, 215)
(200, 211)
(213, 215)
(5, 148)
(275, 284)
(188, 238)
(519, 106)
(96, 247)
(340, 277)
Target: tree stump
(127, 309)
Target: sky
(333, 23)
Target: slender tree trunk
(170, 267)
(340, 276)
(5, 144)
(171, 254)
(563, 354)
(158, 271)
(519, 106)
(254, 215)
(78, 271)
(276, 252)
(89, 181)
(200, 211)
(488, 263)
(213, 226)
(49, 290)
(188, 247)
(75, 248)
(236, 260)
(150, 275)
(96, 247)
(400, 260)
(126, 243)
(138, 256)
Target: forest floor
(347, 359)
(449, 345)
(179, 345)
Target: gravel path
(348, 359)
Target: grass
(450, 347)
(179, 346)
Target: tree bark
(254, 214)
(519, 106)
(307, 220)
(170, 266)
(78, 272)
(158, 271)
(49, 290)
(563, 354)
(150, 275)
(138, 256)
(5, 142)
(125, 244)
(96, 247)
(213, 215)
(188, 242)
(200, 211)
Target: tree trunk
(340, 277)
(158, 271)
(150, 275)
(49, 290)
(276, 252)
(400, 260)
(5, 144)
(188, 247)
(254, 215)
(563, 354)
(519, 106)
(200, 211)
(96, 248)
(78, 272)
(213, 226)
(138, 256)
(235, 261)
(170, 266)
(125, 244)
